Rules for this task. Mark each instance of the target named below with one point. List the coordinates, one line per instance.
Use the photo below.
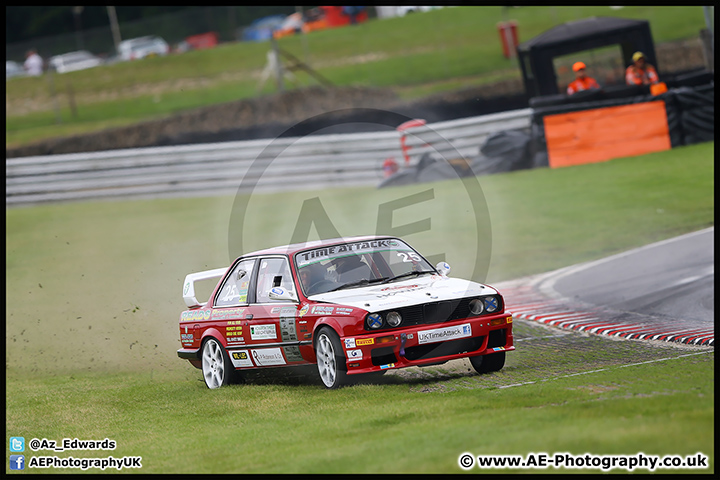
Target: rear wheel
(488, 363)
(330, 359)
(217, 368)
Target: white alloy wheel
(329, 356)
(214, 368)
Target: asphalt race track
(662, 291)
(671, 279)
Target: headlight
(492, 304)
(374, 320)
(476, 306)
(393, 319)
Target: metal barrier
(312, 162)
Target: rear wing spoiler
(189, 284)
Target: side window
(273, 272)
(235, 290)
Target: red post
(508, 37)
(402, 128)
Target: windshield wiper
(364, 281)
(406, 274)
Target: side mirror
(443, 268)
(279, 293)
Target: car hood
(414, 291)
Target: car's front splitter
(428, 344)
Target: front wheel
(330, 359)
(488, 363)
(217, 368)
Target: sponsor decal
(343, 311)
(288, 312)
(443, 334)
(263, 332)
(268, 356)
(241, 358)
(233, 331)
(389, 365)
(186, 337)
(194, 315)
(303, 310)
(395, 302)
(324, 253)
(498, 349)
(287, 326)
(364, 341)
(292, 354)
(322, 310)
(226, 313)
(349, 343)
(402, 287)
(508, 319)
(354, 354)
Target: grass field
(93, 295)
(415, 55)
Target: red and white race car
(352, 306)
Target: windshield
(352, 264)
(75, 57)
(146, 44)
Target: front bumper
(428, 344)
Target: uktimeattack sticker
(443, 334)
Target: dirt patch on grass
(343, 109)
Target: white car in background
(70, 62)
(13, 69)
(141, 47)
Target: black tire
(217, 368)
(488, 363)
(330, 358)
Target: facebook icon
(17, 462)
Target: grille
(435, 312)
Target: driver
(351, 269)
(312, 277)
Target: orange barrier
(658, 88)
(203, 40)
(602, 134)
